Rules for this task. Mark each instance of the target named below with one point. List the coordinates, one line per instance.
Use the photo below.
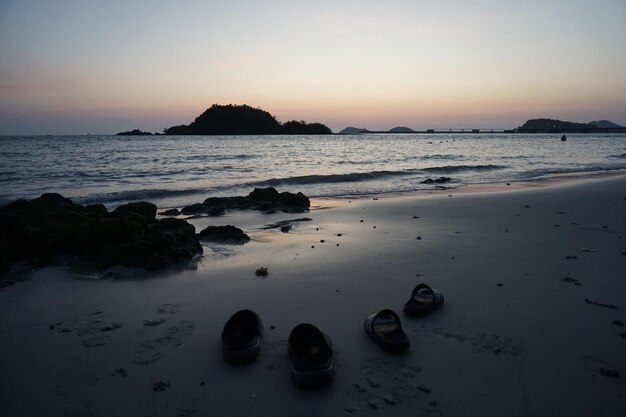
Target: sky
(100, 67)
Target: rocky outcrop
(224, 234)
(35, 231)
(264, 199)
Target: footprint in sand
(163, 309)
(92, 324)
(168, 309)
(91, 342)
(385, 383)
(152, 323)
(153, 350)
(89, 328)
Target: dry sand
(535, 296)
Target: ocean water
(173, 171)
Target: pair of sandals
(385, 327)
(310, 349)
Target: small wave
(442, 156)
(538, 173)
(350, 162)
(449, 169)
(210, 158)
(622, 156)
(332, 178)
(134, 195)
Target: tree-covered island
(233, 119)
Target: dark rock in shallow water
(224, 234)
(264, 199)
(297, 200)
(170, 212)
(286, 223)
(34, 232)
(261, 272)
(193, 209)
(216, 211)
(439, 180)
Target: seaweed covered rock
(264, 199)
(35, 231)
(224, 234)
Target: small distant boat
(563, 138)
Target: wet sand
(533, 320)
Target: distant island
(353, 131)
(232, 119)
(357, 130)
(559, 126)
(244, 120)
(531, 126)
(401, 129)
(135, 132)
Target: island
(531, 126)
(135, 132)
(244, 120)
(401, 129)
(559, 126)
(353, 131)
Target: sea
(174, 171)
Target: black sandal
(241, 337)
(311, 356)
(385, 328)
(423, 301)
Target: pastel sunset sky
(70, 67)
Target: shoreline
(555, 180)
(545, 341)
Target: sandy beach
(533, 322)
